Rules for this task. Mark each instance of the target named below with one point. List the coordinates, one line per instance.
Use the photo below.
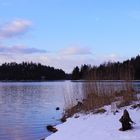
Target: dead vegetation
(97, 93)
(135, 106)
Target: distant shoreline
(31, 80)
(66, 80)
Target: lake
(26, 108)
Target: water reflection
(26, 108)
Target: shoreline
(68, 80)
(101, 126)
(6, 81)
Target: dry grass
(100, 93)
(97, 93)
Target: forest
(126, 70)
(30, 71)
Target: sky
(69, 33)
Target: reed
(97, 93)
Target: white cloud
(14, 28)
(111, 57)
(65, 62)
(68, 62)
(76, 50)
(19, 49)
(65, 59)
(57, 60)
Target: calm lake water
(27, 107)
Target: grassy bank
(99, 93)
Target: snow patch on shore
(98, 127)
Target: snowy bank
(98, 127)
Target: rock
(42, 139)
(63, 119)
(135, 106)
(57, 108)
(51, 128)
(76, 116)
(79, 106)
(100, 110)
(126, 121)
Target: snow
(98, 127)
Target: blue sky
(66, 33)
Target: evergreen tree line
(127, 70)
(30, 71)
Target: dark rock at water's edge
(63, 119)
(73, 110)
(57, 108)
(42, 139)
(135, 106)
(51, 128)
